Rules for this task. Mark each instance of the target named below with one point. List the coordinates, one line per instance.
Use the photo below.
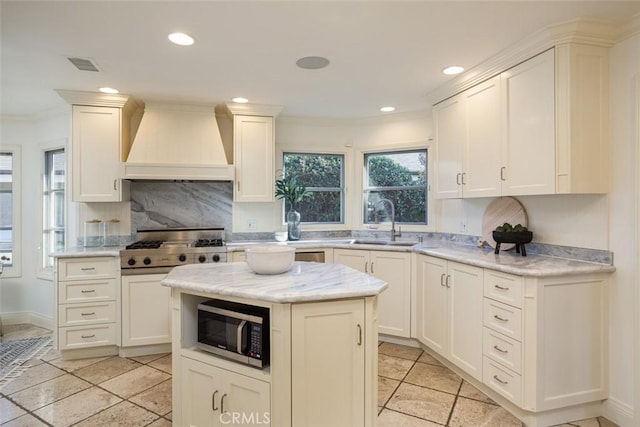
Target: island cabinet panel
(394, 304)
(328, 364)
(146, 310)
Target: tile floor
(415, 390)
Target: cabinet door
(354, 258)
(465, 317)
(328, 370)
(394, 304)
(529, 153)
(146, 310)
(450, 129)
(201, 388)
(432, 303)
(96, 154)
(481, 168)
(245, 397)
(254, 152)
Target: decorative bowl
(518, 237)
(281, 236)
(270, 259)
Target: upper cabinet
(540, 127)
(254, 151)
(100, 125)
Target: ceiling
(381, 52)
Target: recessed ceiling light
(240, 100)
(181, 38)
(387, 109)
(108, 90)
(312, 62)
(454, 69)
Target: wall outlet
(252, 224)
(463, 226)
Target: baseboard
(32, 318)
(410, 342)
(618, 412)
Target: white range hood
(178, 142)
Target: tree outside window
(323, 175)
(400, 177)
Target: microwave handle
(239, 336)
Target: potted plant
(293, 192)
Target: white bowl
(281, 236)
(270, 259)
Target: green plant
(291, 190)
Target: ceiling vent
(84, 64)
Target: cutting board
(499, 211)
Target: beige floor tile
(22, 331)
(78, 407)
(157, 399)
(148, 358)
(50, 391)
(169, 416)
(9, 410)
(161, 422)
(422, 402)
(427, 358)
(397, 350)
(164, 363)
(123, 414)
(135, 381)
(473, 413)
(393, 367)
(33, 362)
(32, 376)
(26, 420)
(606, 423)
(467, 390)
(389, 418)
(107, 369)
(75, 365)
(590, 422)
(386, 387)
(436, 377)
(52, 354)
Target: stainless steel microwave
(236, 331)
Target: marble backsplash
(162, 204)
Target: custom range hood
(178, 142)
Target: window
(323, 175)
(53, 205)
(400, 177)
(10, 211)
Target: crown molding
(97, 99)
(591, 31)
(254, 109)
(630, 29)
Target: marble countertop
(81, 251)
(306, 281)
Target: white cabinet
(394, 304)
(328, 363)
(450, 311)
(212, 396)
(467, 129)
(87, 296)
(146, 310)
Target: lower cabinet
(213, 396)
(394, 304)
(449, 311)
(146, 310)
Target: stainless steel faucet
(394, 233)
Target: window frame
(347, 204)
(15, 270)
(389, 149)
(47, 273)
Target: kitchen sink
(381, 242)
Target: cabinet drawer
(87, 268)
(502, 380)
(502, 349)
(503, 318)
(86, 314)
(87, 291)
(503, 287)
(87, 336)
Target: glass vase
(293, 224)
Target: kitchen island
(323, 345)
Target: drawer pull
(359, 334)
(87, 291)
(500, 350)
(495, 377)
(88, 268)
(442, 279)
(502, 319)
(88, 314)
(502, 288)
(213, 401)
(89, 336)
(446, 282)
